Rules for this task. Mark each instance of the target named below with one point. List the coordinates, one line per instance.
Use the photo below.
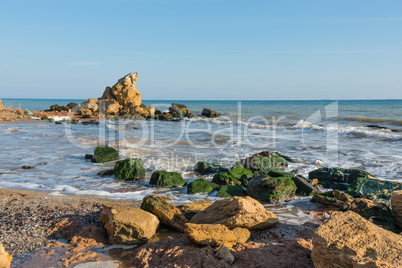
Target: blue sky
(193, 49)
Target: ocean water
(314, 133)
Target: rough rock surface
(348, 240)
(166, 212)
(264, 161)
(131, 169)
(166, 179)
(230, 191)
(5, 258)
(241, 234)
(244, 212)
(124, 91)
(210, 113)
(200, 185)
(190, 209)
(104, 154)
(272, 190)
(180, 110)
(2, 108)
(396, 202)
(127, 225)
(209, 235)
(208, 168)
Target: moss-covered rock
(271, 190)
(165, 117)
(207, 168)
(166, 179)
(210, 113)
(230, 191)
(239, 172)
(58, 123)
(373, 188)
(200, 186)
(222, 178)
(329, 199)
(304, 187)
(131, 169)
(180, 111)
(104, 154)
(265, 161)
(337, 178)
(90, 122)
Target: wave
(393, 121)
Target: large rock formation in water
(124, 91)
(2, 108)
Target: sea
(363, 134)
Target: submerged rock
(264, 161)
(166, 212)
(199, 186)
(127, 225)
(244, 212)
(166, 179)
(190, 209)
(210, 113)
(230, 191)
(207, 168)
(349, 240)
(338, 178)
(270, 189)
(373, 188)
(131, 169)
(238, 171)
(396, 202)
(209, 235)
(104, 154)
(180, 111)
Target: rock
(230, 191)
(225, 179)
(212, 235)
(377, 213)
(224, 253)
(90, 122)
(90, 104)
(166, 213)
(271, 190)
(109, 107)
(337, 178)
(165, 117)
(200, 185)
(166, 179)
(107, 172)
(131, 108)
(131, 169)
(2, 108)
(238, 171)
(104, 154)
(80, 243)
(303, 186)
(86, 113)
(190, 209)
(73, 106)
(27, 167)
(396, 202)
(342, 196)
(241, 234)
(5, 258)
(244, 212)
(88, 156)
(128, 225)
(180, 110)
(207, 168)
(210, 113)
(265, 161)
(124, 91)
(373, 188)
(58, 108)
(376, 127)
(349, 240)
(329, 199)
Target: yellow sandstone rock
(5, 258)
(396, 202)
(212, 235)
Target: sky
(202, 49)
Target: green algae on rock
(272, 190)
(166, 179)
(373, 188)
(129, 169)
(200, 185)
(222, 178)
(264, 161)
(239, 172)
(104, 154)
(207, 168)
(227, 191)
(210, 113)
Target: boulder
(104, 154)
(131, 169)
(222, 178)
(377, 213)
(90, 104)
(200, 186)
(2, 108)
(166, 179)
(180, 110)
(210, 113)
(349, 240)
(241, 234)
(5, 258)
(166, 212)
(304, 186)
(244, 212)
(207, 168)
(337, 178)
(230, 191)
(190, 209)
(128, 225)
(265, 161)
(238, 171)
(329, 199)
(165, 116)
(109, 107)
(396, 202)
(86, 113)
(212, 235)
(271, 190)
(373, 188)
(132, 108)
(124, 91)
